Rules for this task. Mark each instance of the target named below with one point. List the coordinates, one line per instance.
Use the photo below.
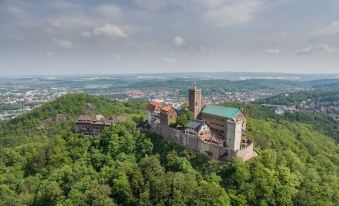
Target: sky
(39, 37)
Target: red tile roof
(154, 105)
(166, 108)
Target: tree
(144, 146)
(90, 192)
(184, 106)
(50, 194)
(234, 174)
(211, 194)
(297, 165)
(184, 118)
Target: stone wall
(191, 142)
(205, 148)
(244, 153)
(88, 129)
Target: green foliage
(40, 122)
(216, 84)
(320, 122)
(10, 106)
(297, 165)
(184, 118)
(317, 96)
(184, 106)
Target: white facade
(233, 135)
(194, 132)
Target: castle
(215, 131)
(95, 124)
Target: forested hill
(319, 98)
(318, 95)
(41, 121)
(43, 163)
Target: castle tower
(233, 134)
(194, 99)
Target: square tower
(194, 99)
(233, 134)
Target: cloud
(63, 43)
(118, 57)
(64, 5)
(109, 10)
(272, 51)
(316, 49)
(71, 21)
(15, 10)
(169, 60)
(224, 13)
(49, 54)
(109, 30)
(178, 41)
(2, 4)
(86, 34)
(218, 12)
(333, 28)
(153, 4)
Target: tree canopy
(297, 165)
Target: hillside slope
(296, 165)
(40, 122)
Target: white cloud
(224, 13)
(272, 51)
(110, 30)
(63, 43)
(178, 41)
(316, 49)
(109, 10)
(333, 28)
(170, 60)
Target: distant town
(19, 95)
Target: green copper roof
(221, 111)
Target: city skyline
(164, 36)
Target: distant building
(168, 115)
(279, 111)
(95, 124)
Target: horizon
(173, 73)
(168, 36)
